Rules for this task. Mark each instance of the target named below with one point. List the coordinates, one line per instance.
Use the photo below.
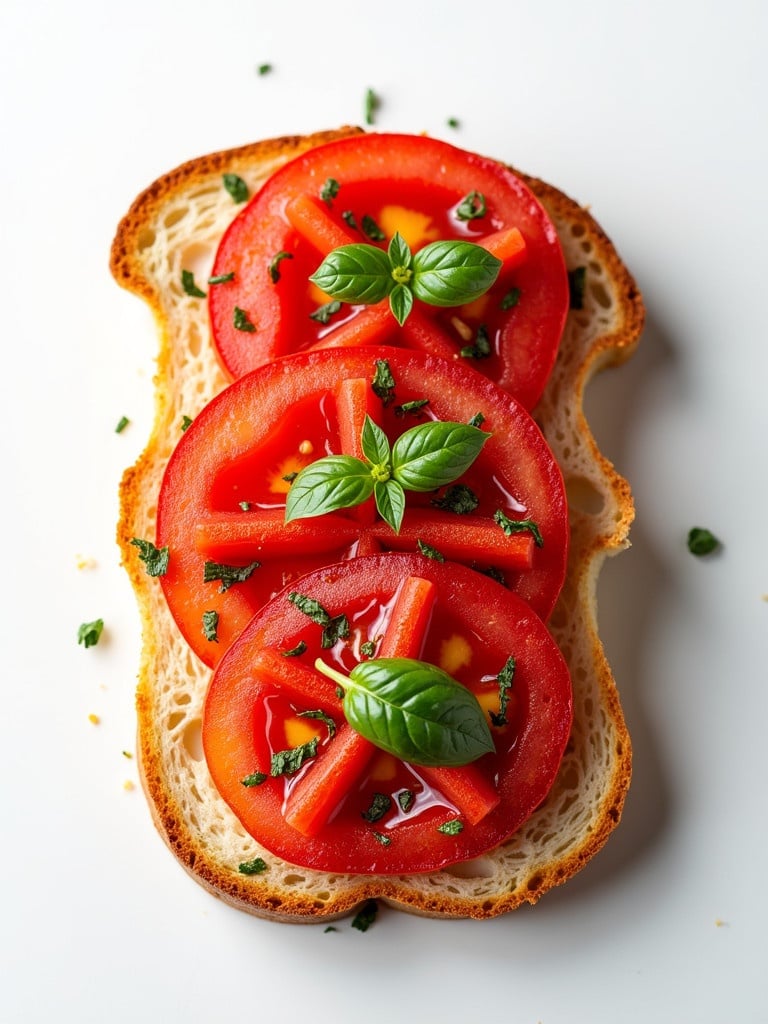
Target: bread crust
(563, 835)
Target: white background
(653, 113)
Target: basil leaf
(451, 828)
(380, 804)
(189, 286)
(372, 104)
(406, 799)
(381, 838)
(452, 273)
(336, 628)
(337, 481)
(383, 383)
(254, 779)
(288, 762)
(227, 574)
(375, 443)
(211, 626)
(471, 206)
(504, 679)
(368, 648)
(702, 541)
(433, 454)
(186, 423)
(366, 915)
(372, 229)
(415, 711)
(459, 499)
(390, 501)
(481, 348)
(89, 633)
(510, 526)
(236, 187)
(401, 303)
(274, 264)
(241, 321)
(155, 559)
(329, 191)
(257, 866)
(296, 651)
(511, 299)
(222, 278)
(355, 273)
(122, 423)
(428, 551)
(349, 218)
(325, 719)
(415, 408)
(324, 313)
(401, 259)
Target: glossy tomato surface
(381, 184)
(222, 500)
(350, 806)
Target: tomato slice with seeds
(416, 186)
(222, 500)
(350, 806)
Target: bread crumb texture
(176, 224)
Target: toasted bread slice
(177, 223)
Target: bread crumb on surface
(129, 786)
(82, 562)
(128, 754)
(94, 719)
(720, 923)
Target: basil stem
(413, 710)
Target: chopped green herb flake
(702, 541)
(428, 551)
(330, 190)
(577, 283)
(295, 651)
(236, 187)
(329, 928)
(372, 229)
(477, 420)
(257, 866)
(511, 299)
(254, 779)
(372, 104)
(453, 122)
(264, 69)
(383, 383)
(451, 828)
(458, 499)
(274, 266)
(189, 286)
(155, 559)
(480, 348)
(245, 505)
(413, 407)
(405, 799)
(288, 762)
(510, 526)
(241, 321)
(186, 423)
(211, 626)
(504, 679)
(381, 838)
(222, 278)
(365, 916)
(334, 628)
(325, 719)
(349, 218)
(228, 575)
(324, 313)
(290, 477)
(122, 423)
(491, 571)
(368, 648)
(380, 804)
(472, 206)
(88, 633)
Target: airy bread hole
(174, 216)
(193, 739)
(145, 239)
(199, 259)
(481, 867)
(600, 295)
(584, 496)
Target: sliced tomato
(404, 183)
(222, 499)
(350, 807)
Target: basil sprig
(413, 710)
(423, 458)
(447, 273)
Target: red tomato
(377, 814)
(222, 499)
(415, 185)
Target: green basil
(390, 502)
(480, 348)
(349, 218)
(366, 916)
(274, 264)
(414, 407)
(428, 551)
(459, 499)
(222, 278)
(452, 273)
(288, 762)
(228, 575)
(337, 481)
(321, 716)
(401, 303)
(504, 679)
(241, 321)
(330, 190)
(89, 633)
(368, 648)
(257, 866)
(702, 541)
(355, 273)
(406, 798)
(383, 383)
(372, 229)
(372, 104)
(211, 626)
(323, 314)
(335, 627)
(122, 423)
(375, 443)
(189, 286)
(296, 651)
(254, 779)
(380, 804)
(451, 828)
(414, 711)
(236, 187)
(510, 299)
(472, 206)
(186, 423)
(433, 454)
(155, 559)
(510, 526)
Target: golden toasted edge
(608, 349)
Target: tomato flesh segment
(472, 626)
(224, 491)
(413, 185)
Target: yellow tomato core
(291, 464)
(384, 768)
(455, 653)
(300, 730)
(416, 228)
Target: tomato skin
(376, 170)
(199, 518)
(529, 749)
